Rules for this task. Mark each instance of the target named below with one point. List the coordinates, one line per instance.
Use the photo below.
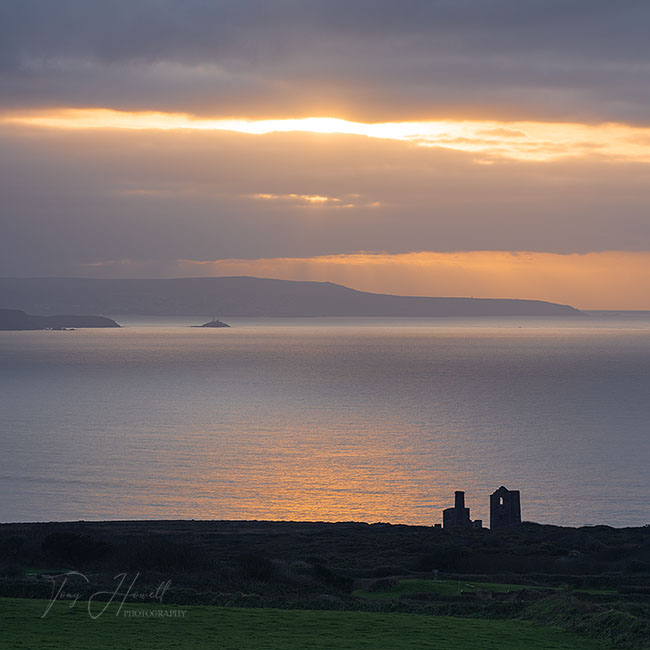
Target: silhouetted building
(458, 516)
(505, 508)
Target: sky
(486, 148)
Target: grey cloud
(539, 59)
(75, 198)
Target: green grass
(264, 629)
(451, 588)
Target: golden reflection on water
(296, 473)
(331, 422)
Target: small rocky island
(15, 319)
(213, 323)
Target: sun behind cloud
(523, 140)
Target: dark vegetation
(592, 580)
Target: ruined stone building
(505, 508)
(458, 516)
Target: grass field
(22, 626)
(450, 588)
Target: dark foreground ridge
(15, 319)
(245, 296)
(593, 580)
(359, 548)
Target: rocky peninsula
(16, 319)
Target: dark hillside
(244, 296)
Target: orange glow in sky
(518, 140)
(599, 280)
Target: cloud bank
(369, 60)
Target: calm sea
(328, 419)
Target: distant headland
(247, 297)
(15, 319)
